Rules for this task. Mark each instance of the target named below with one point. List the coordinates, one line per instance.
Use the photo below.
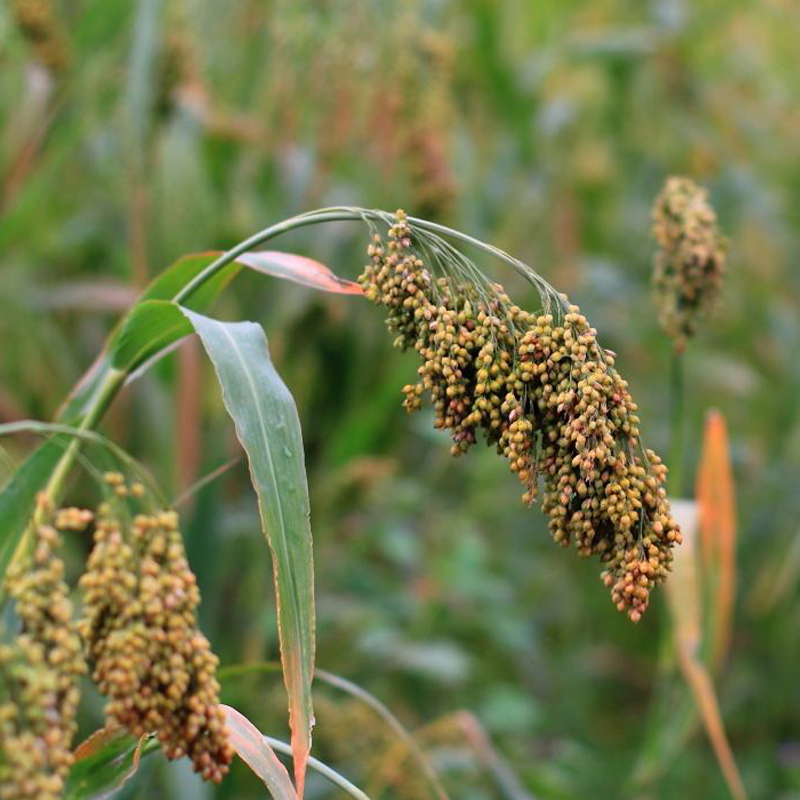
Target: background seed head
(690, 263)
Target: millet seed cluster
(140, 630)
(39, 673)
(543, 391)
(39, 23)
(690, 264)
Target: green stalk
(115, 379)
(52, 492)
(343, 214)
(671, 708)
(323, 769)
(677, 421)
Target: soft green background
(545, 127)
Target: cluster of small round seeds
(73, 519)
(39, 674)
(150, 659)
(117, 482)
(547, 395)
(40, 25)
(690, 263)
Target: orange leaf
(685, 609)
(299, 269)
(716, 496)
(699, 680)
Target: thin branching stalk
(103, 397)
(331, 774)
(405, 737)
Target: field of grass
(134, 133)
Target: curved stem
(301, 220)
(323, 769)
(354, 690)
(52, 492)
(347, 213)
(115, 379)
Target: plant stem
(310, 218)
(677, 418)
(323, 769)
(343, 214)
(103, 396)
(115, 379)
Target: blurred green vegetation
(154, 128)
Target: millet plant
(535, 384)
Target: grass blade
(148, 329)
(258, 752)
(151, 326)
(18, 496)
(331, 774)
(267, 425)
(164, 287)
(405, 738)
(104, 763)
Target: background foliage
(164, 127)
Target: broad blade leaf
(74, 406)
(169, 282)
(103, 764)
(267, 425)
(251, 747)
(18, 496)
(163, 287)
(405, 740)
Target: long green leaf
(169, 282)
(267, 425)
(18, 496)
(258, 752)
(152, 326)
